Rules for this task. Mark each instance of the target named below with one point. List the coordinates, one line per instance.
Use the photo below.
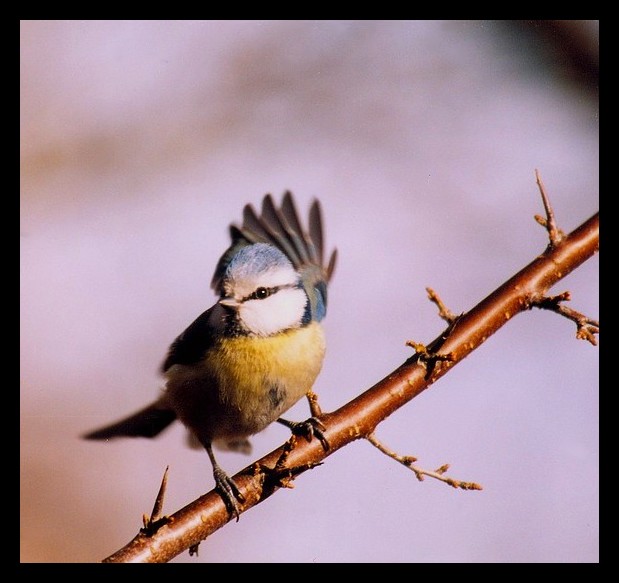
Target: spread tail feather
(147, 422)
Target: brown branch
(359, 418)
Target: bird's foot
(308, 429)
(229, 492)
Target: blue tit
(250, 357)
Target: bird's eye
(262, 292)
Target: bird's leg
(225, 484)
(312, 426)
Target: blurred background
(142, 140)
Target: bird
(241, 364)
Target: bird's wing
(191, 345)
(282, 228)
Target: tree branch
(359, 418)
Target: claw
(229, 492)
(309, 429)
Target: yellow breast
(259, 378)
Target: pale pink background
(142, 140)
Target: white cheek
(281, 311)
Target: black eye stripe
(262, 292)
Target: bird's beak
(229, 302)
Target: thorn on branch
(427, 357)
(443, 311)
(408, 461)
(281, 476)
(280, 466)
(586, 328)
(155, 521)
(555, 235)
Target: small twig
(429, 358)
(408, 461)
(443, 311)
(554, 234)
(312, 399)
(426, 355)
(586, 328)
(155, 521)
(281, 476)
